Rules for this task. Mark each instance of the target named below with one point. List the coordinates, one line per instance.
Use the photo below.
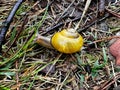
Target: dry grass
(28, 66)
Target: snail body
(66, 41)
(44, 41)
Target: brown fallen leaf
(115, 51)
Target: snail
(66, 41)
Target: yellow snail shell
(66, 41)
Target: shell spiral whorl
(67, 41)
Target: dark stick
(6, 23)
(96, 20)
(52, 28)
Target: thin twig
(109, 82)
(114, 74)
(65, 11)
(85, 10)
(103, 39)
(96, 20)
(113, 13)
(83, 28)
(58, 25)
(17, 76)
(106, 38)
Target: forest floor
(26, 65)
